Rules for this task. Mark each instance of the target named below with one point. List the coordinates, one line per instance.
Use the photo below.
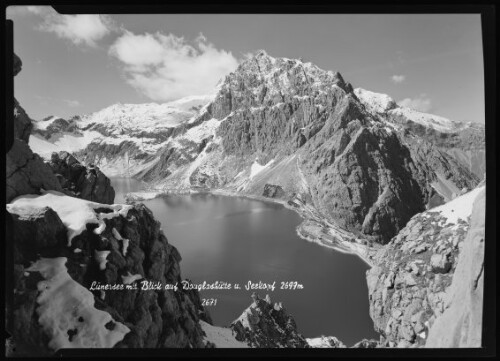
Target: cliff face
(410, 280)
(460, 325)
(63, 242)
(26, 172)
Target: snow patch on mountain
(460, 207)
(256, 168)
(120, 118)
(202, 131)
(75, 213)
(45, 123)
(378, 102)
(436, 122)
(67, 313)
(222, 337)
(325, 342)
(384, 105)
(70, 142)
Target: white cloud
(167, 67)
(398, 79)
(72, 103)
(421, 103)
(84, 29)
(80, 29)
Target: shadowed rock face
(22, 123)
(26, 173)
(460, 325)
(267, 325)
(82, 182)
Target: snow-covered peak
(45, 122)
(436, 122)
(378, 102)
(383, 104)
(149, 117)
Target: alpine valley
(402, 189)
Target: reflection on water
(236, 240)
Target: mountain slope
(119, 137)
(285, 124)
(464, 141)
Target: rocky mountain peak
(282, 75)
(379, 102)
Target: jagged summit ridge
(280, 75)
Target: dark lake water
(238, 240)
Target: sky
(79, 64)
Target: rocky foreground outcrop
(26, 172)
(409, 283)
(86, 182)
(460, 325)
(67, 248)
(267, 325)
(130, 249)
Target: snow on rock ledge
(67, 313)
(460, 207)
(325, 342)
(221, 337)
(75, 213)
(156, 319)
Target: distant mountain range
(355, 156)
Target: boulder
(273, 191)
(440, 263)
